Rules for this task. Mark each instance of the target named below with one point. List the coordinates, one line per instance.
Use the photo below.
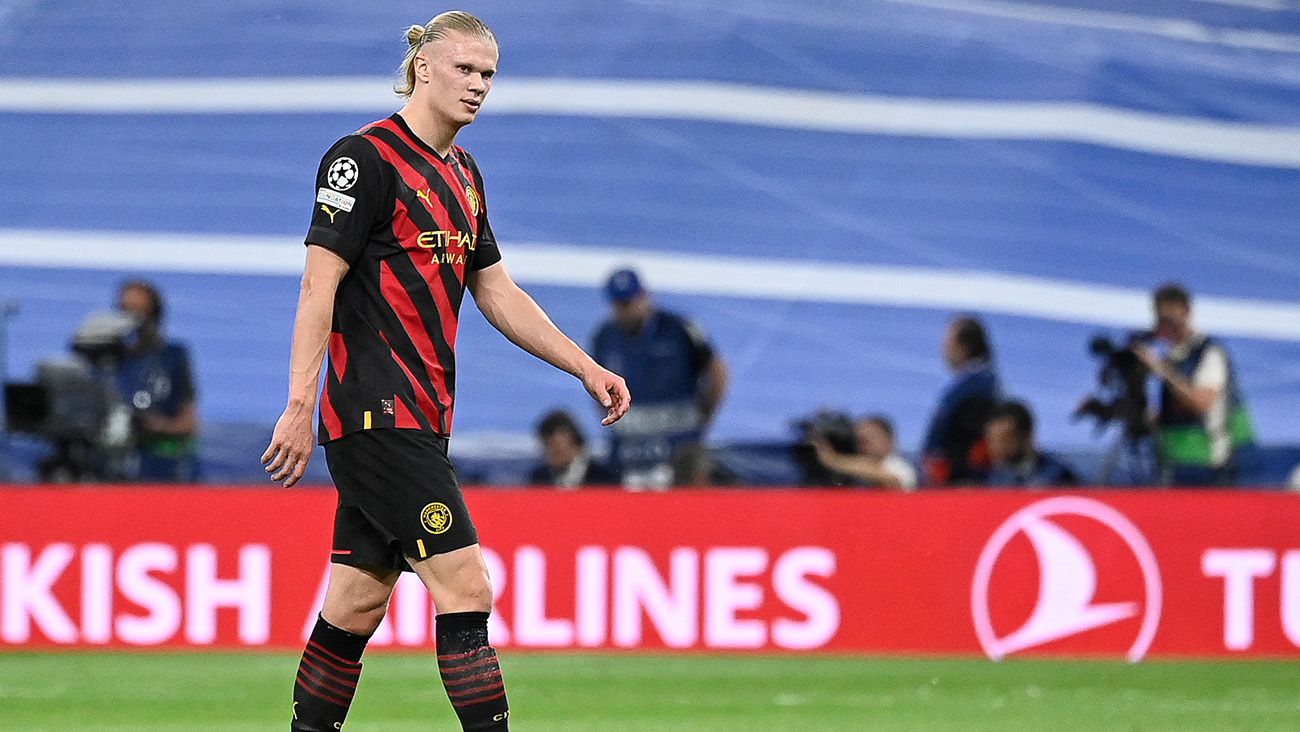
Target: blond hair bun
(414, 35)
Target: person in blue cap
(677, 375)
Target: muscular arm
(513, 312)
(292, 442)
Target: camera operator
(156, 380)
(874, 462)
(1201, 421)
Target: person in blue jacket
(677, 375)
(954, 450)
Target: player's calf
(471, 672)
(327, 678)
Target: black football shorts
(398, 498)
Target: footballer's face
(459, 70)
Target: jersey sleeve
(352, 196)
(486, 252)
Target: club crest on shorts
(342, 174)
(436, 518)
(471, 195)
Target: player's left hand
(610, 390)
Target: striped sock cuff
(327, 678)
(472, 677)
(471, 672)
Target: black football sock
(471, 673)
(327, 678)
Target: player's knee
(481, 598)
(360, 615)
(472, 592)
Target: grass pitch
(214, 692)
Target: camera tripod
(1132, 459)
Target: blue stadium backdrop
(819, 184)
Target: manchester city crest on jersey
(342, 174)
(471, 195)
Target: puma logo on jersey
(423, 195)
(327, 210)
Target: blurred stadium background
(821, 185)
(1043, 164)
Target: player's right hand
(291, 445)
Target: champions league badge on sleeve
(342, 174)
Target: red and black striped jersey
(412, 225)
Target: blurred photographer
(155, 379)
(953, 452)
(1201, 421)
(565, 461)
(873, 462)
(1014, 454)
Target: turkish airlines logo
(1066, 604)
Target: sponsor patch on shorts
(335, 199)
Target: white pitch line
(1188, 137)
(693, 274)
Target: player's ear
(421, 65)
